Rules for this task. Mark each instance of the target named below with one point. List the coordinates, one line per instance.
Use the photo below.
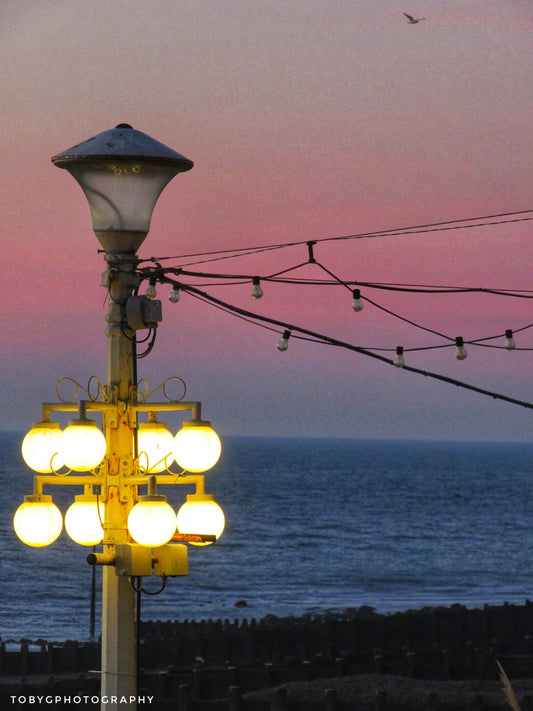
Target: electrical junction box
(142, 312)
(133, 560)
(171, 560)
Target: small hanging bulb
(509, 340)
(399, 362)
(283, 345)
(357, 304)
(460, 352)
(150, 292)
(174, 295)
(257, 292)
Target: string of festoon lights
(182, 279)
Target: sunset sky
(306, 120)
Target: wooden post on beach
(184, 696)
(235, 699)
(380, 703)
(269, 674)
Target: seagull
(412, 20)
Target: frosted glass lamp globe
(82, 446)
(155, 445)
(152, 522)
(197, 446)
(122, 172)
(40, 447)
(38, 521)
(83, 520)
(201, 515)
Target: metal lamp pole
(119, 645)
(122, 172)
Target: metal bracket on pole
(101, 559)
(126, 469)
(111, 414)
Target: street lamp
(84, 520)
(152, 522)
(40, 447)
(201, 515)
(82, 446)
(197, 446)
(156, 443)
(38, 521)
(122, 172)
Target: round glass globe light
(83, 520)
(38, 521)
(152, 522)
(201, 515)
(82, 445)
(157, 444)
(197, 447)
(40, 447)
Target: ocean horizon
(312, 525)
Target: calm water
(312, 525)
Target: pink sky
(305, 120)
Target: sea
(312, 526)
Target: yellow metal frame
(110, 412)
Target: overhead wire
(445, 225)
(254, 317)
(222, 279)
(176, 276)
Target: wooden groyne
(217, 665)
(443, 642)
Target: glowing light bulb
(38, 521)
(509, 340)
(257, 292)
(156, 443)
(40, 447)
(357, 304)
(152, 522)
(197, 446)
(399, 361)
(83, 520)
(201, 515)
(174, 295)
(151, 292)
(460, 352)
(82, 445)
(283, 345)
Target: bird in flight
(412, 20)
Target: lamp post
(122, 173)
